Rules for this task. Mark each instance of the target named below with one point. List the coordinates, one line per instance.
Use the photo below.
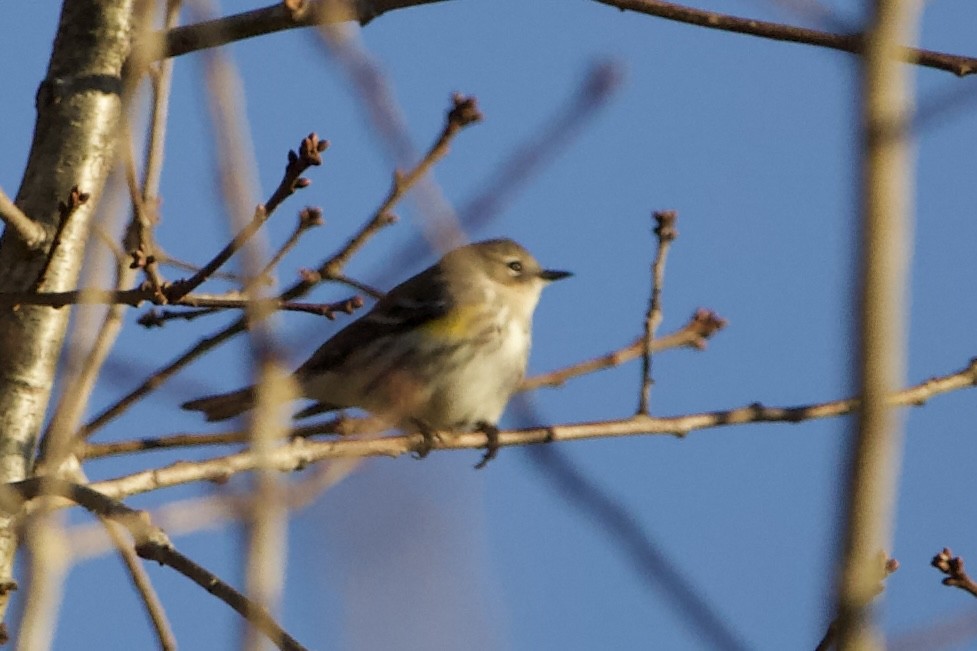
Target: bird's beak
(549, 275)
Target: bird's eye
(516, 266)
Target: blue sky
(754, 144)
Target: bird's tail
(223, 405)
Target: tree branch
(271, 19)
(308, 155)
(884, 242)
(299, 453)
(665, 233)
(151, 543)
(853, 43)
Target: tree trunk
(75, 139)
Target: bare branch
(693, 334)
(666, 233)
(463, 112)
(853, 43)
(885, 234)
(274, 18)
(299, 453)
(151, 543)
(66, 209)
(309, 154)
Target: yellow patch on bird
(458, 323)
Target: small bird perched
(444, 350)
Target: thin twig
(666, 233)
(308, 155)
(30, 232)
(275, 18)
(309, 218)
(853, 43)
(693, 334)
(358, 285)
(76, 199)
(299, 453)
(214, 585)
(166, 259)
(159, 377)
(463, 112)
(139, 234)
(159, 113)
(953, 567)
(82, 375)
(113, 448)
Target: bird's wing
(415, 302)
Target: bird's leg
(491, 444)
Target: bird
(442, 351)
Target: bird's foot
(491, 443)
(428, 438)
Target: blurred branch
(151, 543)
(666, 233)
(140, 580)
(300, 452)
(546, 140)
(289, 14)
(30, 232)
(853, 43)
(953, 567)
(886, 567)
(464, 112)
(884, 245)
(47, 569)
(214, 510)
(653, 567)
